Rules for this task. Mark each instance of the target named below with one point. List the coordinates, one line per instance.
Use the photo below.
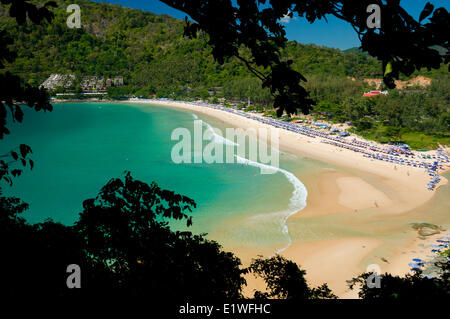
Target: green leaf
(427, 10)
(16, 172)
(388, 68)
(14, 155)
(18, 114)
(24, 150)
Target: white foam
(297, 201)
(218, 138)
(194, 116)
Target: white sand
(399, 189)
(358, 194)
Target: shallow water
(78, 147)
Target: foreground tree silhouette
(14, 92)
(35, 257)
(121, 242)
(285, 280)
(124, 229)
(410, 287)
(251, 32)
(123, 246)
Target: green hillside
(148, 50)
(353, 50)
(429, 73)
(152, 55)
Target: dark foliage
(408, 113)
(410, 287)
(152, 55)
(285, 280)
(14, 93)
(121, 248)
(402, 44)
(35, 257)
(122, 241)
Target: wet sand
(356, 215)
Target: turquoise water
(78, 147)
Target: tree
(392, 110)
(410, 287)
(402, 44)
(355, 108)
(122, 240)
(362, 125)
(35, 257)
(393, 132)
(125, 229)
(329, 109)
(14, 93)
(123, 246)
(285, 280)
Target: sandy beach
(356, 215)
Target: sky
(335, 33)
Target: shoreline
(409, 177)
(371, 190)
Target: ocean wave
(194, 116)
(297, 200)
(218, 138)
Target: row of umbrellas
(442, 243)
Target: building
(87, 83)
(374, 93)
(118, 80)
(58, 80)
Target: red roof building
(374, 93)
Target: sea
(79, 147)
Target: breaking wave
(218, 138)
(297, 200)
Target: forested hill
(149, 51)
